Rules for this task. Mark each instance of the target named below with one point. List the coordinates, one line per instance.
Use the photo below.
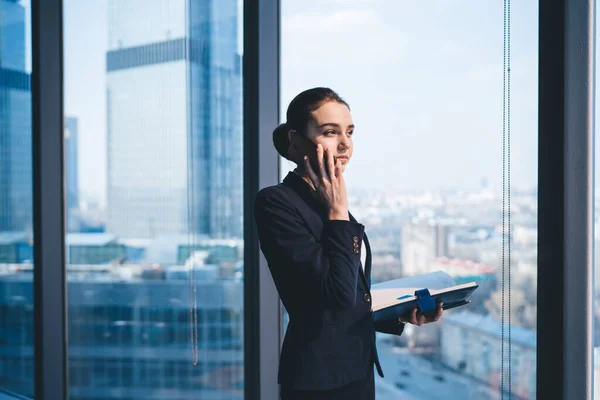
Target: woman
(320, 258)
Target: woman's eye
(351, 133)
(327, 133)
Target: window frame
(49, 278)
(565, 198)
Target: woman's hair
(299, 113)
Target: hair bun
(281, 140)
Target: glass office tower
(174, 118)
(15, 122)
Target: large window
(16, 202)
(425, 85)
(153, 173)
(153, 187)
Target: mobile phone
(309, 148)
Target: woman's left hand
(415, 317)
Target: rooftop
(90, 239)
(491, 327)
(13, 237)
(465, 265)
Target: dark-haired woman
(320, 258)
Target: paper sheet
(387, 293)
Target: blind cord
(506, 191)
(191, 167)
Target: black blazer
(316, 267)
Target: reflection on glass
(153, 132)
(16, 203)
(424, 84)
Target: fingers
(321, 160)
(327, 166)
(330, 164)
(418, 318)
(413, 317)
(438, 311)
(421, 318)
(311, 174)
(338, 168)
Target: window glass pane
(153, 149)
(16, 201)
(425, 86)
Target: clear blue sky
(424, 81)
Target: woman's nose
(344, 142)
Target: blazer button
(356, 250)
(355, 238)
(367, 298)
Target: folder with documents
(397, 297)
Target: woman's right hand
(329, 183)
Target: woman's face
(330, 126)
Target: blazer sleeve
(390, 326)
(327, 268)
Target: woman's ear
(291, 135)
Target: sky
(84, 47)
(423, 79)
(424, 82)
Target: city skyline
(113, 304)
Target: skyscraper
(12, 39)
(71, 163)
(174, 118)
(72, 174)
(15, 122)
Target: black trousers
(363, 389)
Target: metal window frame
(50, 288)
(262, 309)
(565, 199)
